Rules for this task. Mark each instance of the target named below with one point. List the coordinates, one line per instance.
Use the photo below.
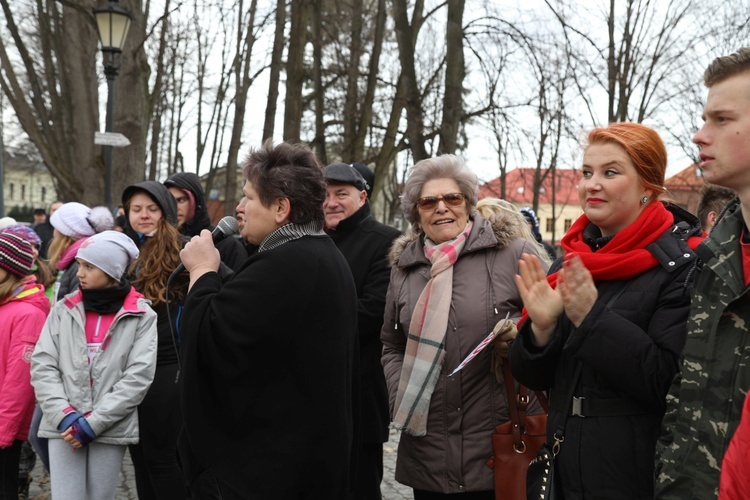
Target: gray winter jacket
(465, 409)
(119, 377)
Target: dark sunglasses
(451, 199)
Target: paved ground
(126, 490)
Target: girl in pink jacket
(23, 309)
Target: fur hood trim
(505, 228)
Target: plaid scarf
(425, 349)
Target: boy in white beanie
(91, 408)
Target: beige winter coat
(464, 409)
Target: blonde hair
(8, 286)
(57, 246)
(495, 209)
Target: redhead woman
(615, 310)
(451, 283)
(151, 213)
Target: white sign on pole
(114, 139)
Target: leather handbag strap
(517, 405)
(517, 418)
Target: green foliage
(22, 214)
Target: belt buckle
(577, 409)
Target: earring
(644, 199)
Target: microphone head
(228, 225)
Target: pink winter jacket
(21, 320)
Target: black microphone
(226, 227)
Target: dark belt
(594, 407)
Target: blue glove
(82, 431)
(69, 419)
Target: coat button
(686, 255)
(671, 263)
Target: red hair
(643, 145)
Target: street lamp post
(113, 23)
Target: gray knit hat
(110, 251)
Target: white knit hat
(110, 251)
(7, 221)
(77, 221)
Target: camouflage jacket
(705, 401)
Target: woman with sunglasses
(451, 283)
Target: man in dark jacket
(365, 243)
(193, 217)
(268, 354)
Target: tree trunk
(455, 71)
(58, 107)
(406, 35)
(319, 142)
(295, 70)
(276, 64)
(243, 82)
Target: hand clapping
(575, 294)
(543, 303)
(577, 289)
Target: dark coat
(267, 373)
(629, 350)
(365, 243)
(232, 251)
(45, 231)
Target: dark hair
(644, 147)
(441, 167)
(288, 171)
(723, 67)
(713, 199)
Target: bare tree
(455, 72)
(246, 37)
(295, 68)
(645, 45)
(50, 76)
(276, 66)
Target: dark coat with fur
(465, 409)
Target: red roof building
(684, 188)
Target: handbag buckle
(577, 409)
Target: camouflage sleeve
(670, 418)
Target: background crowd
(319, 324)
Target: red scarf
(625, 255)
